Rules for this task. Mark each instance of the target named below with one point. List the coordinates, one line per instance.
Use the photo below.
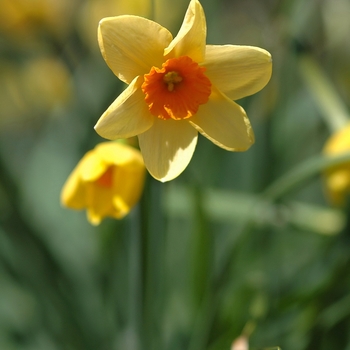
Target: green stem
(202, 275)
(332, 107)
(152, 263)
(302, 173)
(153, 10)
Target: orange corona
(106, 179)
(177, 89)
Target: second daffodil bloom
(178, 87)
(108, 181)
(337, 178)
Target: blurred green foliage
(238, 243)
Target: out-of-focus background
(240, 243)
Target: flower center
(106, 179)
(172, 78)
(177, 89)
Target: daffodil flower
(108, 181)
(178, 87)
(337, 178)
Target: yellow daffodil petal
(127, 116)
(126, 193)
(94, 218)
(167, 148)
(115, 195)
(337, 178)
(131, 45)
(191, 38)
(73, 191)
(115, 153)
(338, 142)
(224, 122)
(127, 164)
(92, 167)
(238, 71)
(99, 203)
(338, 185)
(120, 206)
(108, 181)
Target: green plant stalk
(153, 10)
(302, 173)
(152, 263)
(332, 107)
(202, 274)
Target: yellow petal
(191, 39)
(337, 182)
(121, 208)
(131, 45)
(338, 142)
(108, 181)
(128, 187)
(92, 167)
(128, 181)
(116, 153)
(128, 175)
(224, 122)
(167, 148)
(337, 178)
(73, 191)
(93, 217)
(98, 203)
(238, 71)
(127, 116)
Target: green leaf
(301, 174)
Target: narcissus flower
(337, 178)
(177, 88)
(108, 181)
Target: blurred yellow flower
(177, 88)
(108, 181)
(46, 82)
(337, 178)
(31, 90)
(22, 18)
